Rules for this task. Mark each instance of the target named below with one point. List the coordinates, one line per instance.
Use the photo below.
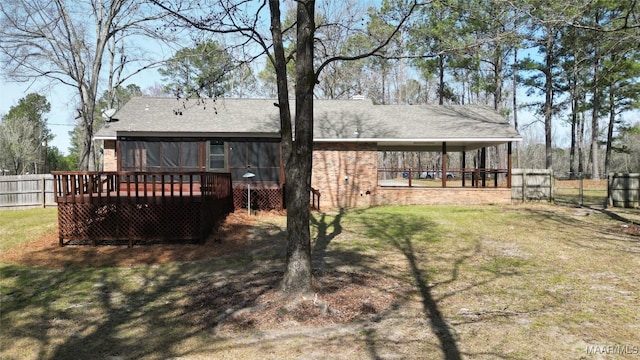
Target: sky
(60, 119)
(63, 100)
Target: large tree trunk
(297, 276)
(612, 119)
(574, 117)
(595, 115)
(515, 102)
(548, 102)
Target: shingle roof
(343, 120)
(170, 116)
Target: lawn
(513, 282)
(594, 192)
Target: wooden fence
(624, 190)
(26, 191)
(532, 185)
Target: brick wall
(344, 173)
(441, 196)
(109, 156)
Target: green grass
(20, 226)
(589, 197)
(593, 192)
(527, 281)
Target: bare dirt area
(252, 302)
(46, 252)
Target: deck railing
(475, 177)
(315, 199)
(135, 187)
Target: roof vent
(358, 97)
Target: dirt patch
(252, 302)
(630, 229)
(231, 236)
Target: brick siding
(110, 162)
(441, 196)
(344, 173)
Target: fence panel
(580, 189)
(532, 185)
(624, 190)
(26, 191)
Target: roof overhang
(160, 134)
(434, 144)
(383, 144)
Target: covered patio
(470, 151)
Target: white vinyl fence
(26, 191)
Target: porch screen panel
(170, 155)
(262, 157)
(237, 160)
(189, 156)
(266, 156)
(153, 159)
(154, 156)
(131, 155)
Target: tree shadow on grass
(323, 237)
(400, 231)
(90, 314)
(601, 237)
(151, 311)
(93, 310)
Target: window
(217, 156)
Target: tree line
(577, 63)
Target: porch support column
(444, 164)
(483, 165)
(464, 165)
(509, 164)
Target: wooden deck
(136, 206)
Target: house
(242, 135)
